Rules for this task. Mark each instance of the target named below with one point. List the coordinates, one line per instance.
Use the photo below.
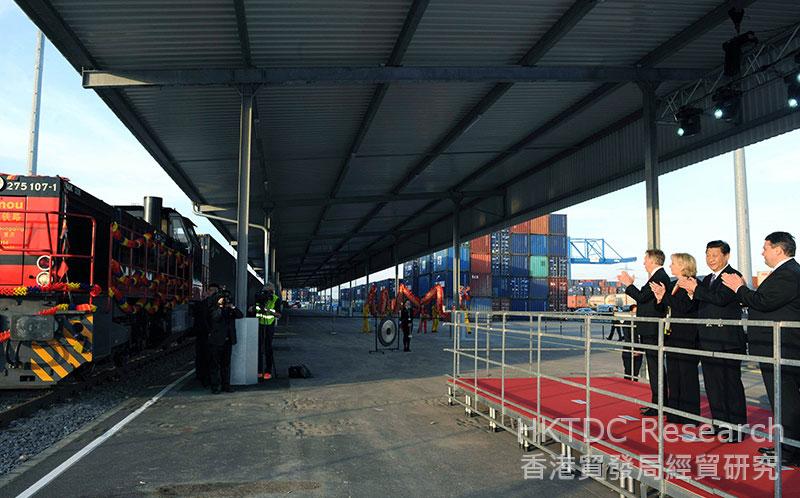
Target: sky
(81, 139)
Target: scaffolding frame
(532, 432)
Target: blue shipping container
(425, 264)
(445, 279)
(464, 257)
(481, 304)
(557, 245)
(501, 264)
(558, 224)
(519, 243)
(410, 268)
(519, 266)
(424, 283)
(519, 287)
(500, 242)
(500, 287)
(519, 304)
(538, 245)
(537, 305)
(557, 266)
(443, 260)
(539, 289)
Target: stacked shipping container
(521, 268)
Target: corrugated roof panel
(476, 32)
(341, 218)
(303, 216)
(319, 33)
(605, 111)
(447, 171)
(510, 168)
(216, 179)
(308, 177)
(435, 212)
(621, 32)
(525, 107)
(311, 122)
(153, 34)
(413, 117)
(594, 118)
(198, 123)
(401, 209)
(375, 175)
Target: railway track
(34, 400)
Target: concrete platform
(366, 425)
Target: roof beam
(557, 31)
(675, 43)
(333, 236)
(410, 24)
(297, 201)
(659, 54)
(278, 76)
(244, 34)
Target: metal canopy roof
(374, 117)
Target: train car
(82, 281)
(219, 266)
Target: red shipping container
(481, 245)
(481, 285)
(540, 225)
(523, 227)
(480, 263)
(574, 302)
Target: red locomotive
(81, 280)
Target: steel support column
(742, 217)
(456, 254)
(267, 241)
(352, 299)
(33, 143)
(649, 117)
(272, 266)
(243, 207)
(396, 271)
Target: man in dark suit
(777, 299)
(631, 358)
(722, 377)
(646, 307)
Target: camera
(225, 295)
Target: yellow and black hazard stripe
(81, 343)
(54, 359)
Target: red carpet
(727, 467)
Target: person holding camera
(221, 338)
(201, 311)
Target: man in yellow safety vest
(267, 307)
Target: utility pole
(33, 142)
(742, 217)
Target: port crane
(593, 251)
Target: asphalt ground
(367, 424)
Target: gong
(387, 332)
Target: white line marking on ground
(44, 481)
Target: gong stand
(387, 335)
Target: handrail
(49, 251)
(482, 322)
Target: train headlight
(43, 278)
(43, 263)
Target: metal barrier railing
(466, 324)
